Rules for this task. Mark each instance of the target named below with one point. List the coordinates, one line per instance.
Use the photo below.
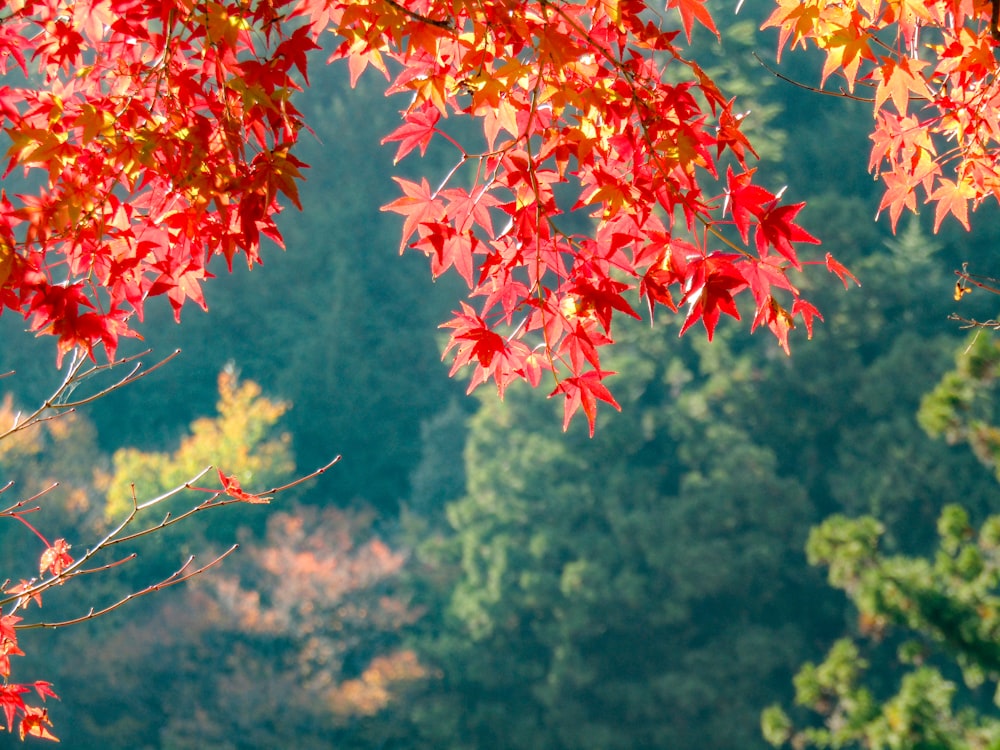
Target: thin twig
(321, 470)
(175, 491)
(447, 24)
(973, 323)
(21, 503)
(135, 374)
(839, 94)
(179, 576)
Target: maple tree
(161, 134)
(240, 438)
(305, 626)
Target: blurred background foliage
(471, 578)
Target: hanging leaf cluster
(162, 133)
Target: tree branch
(179, 576)
(448, 24)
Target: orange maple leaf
(795, 20)
(36, 723)
(845, 49)
(897, 79)
(56, 558)
(231, 487)
(952, 198)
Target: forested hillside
(470, 577)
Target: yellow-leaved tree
(243, 437)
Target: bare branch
(135, 374)
(59, 404)
(175, 491)
(322, 470)
(973, 323)
(117, 536)
(841, 94)
(179, 576)
(16, 507)
(108, 566)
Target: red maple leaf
(466, 208)
(745, 200)
(24, 598)
(581, 345)
(231, 487)
(55, 558)
(474, 339)
(762, 274)
(692, 10)
(655, 287)
(11, 702)
(35, 723)
(583, 391)
(670, 268)
(450, 248)
(835, 267)
(418, 204)
(601, 296)
(534, 365)
(712, 283)
(295, 49)
(729, 134)
(775, 317)
(776, 229)
(808, 313)
(418, 130)
(8, 643)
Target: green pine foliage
(948, 607)
(615, 592)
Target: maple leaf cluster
(930, 69)
(592, 100)
(159, 133)
(163, 132)
(30, 720)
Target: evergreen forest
(758, 550)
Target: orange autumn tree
(156, 134)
